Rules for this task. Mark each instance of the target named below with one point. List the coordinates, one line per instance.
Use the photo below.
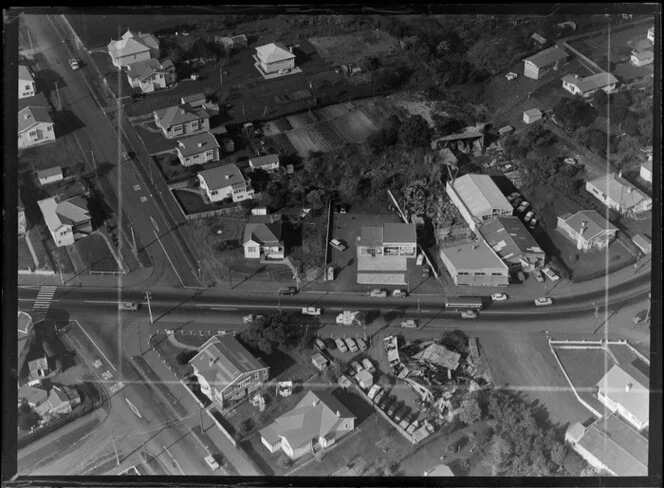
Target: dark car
(329, 343)
(393, 408)
(291, 290)
(401, 413)
(385, 401)
(342, 208)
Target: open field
(352, 48)
(524, 362)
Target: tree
(470, 411)
(369, 63)
(645, 129)
(496, 454)
(416, 132)
(600, 99)
(27, 418)
(631, 125)
(266, 332)
(573, 113)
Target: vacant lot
(192, 201)
(25, 260)
(352, 48)
(524, 362)
(96, 255)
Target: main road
(101, 144)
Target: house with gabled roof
(590, 84)
(510, 239)
(61, 400)
(617, 193)
(197, 149)
(587, 229)
(223, 182)
(537, 65)
(645, 171)
(26, 82)
(274, 57)
(34, 395)
(150, 75)
(269, 162)
(181, 120)
(317, 422)
(263, 237)
(35, 126)
(50, 175)
(642, 58)
(625, 391)
(133, 47)
(226, 370)
(67, 221)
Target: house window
(209, 154)
(177, 129)
(214, 192)
(194, 125)
(252, 249)
(27, 87)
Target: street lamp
(148, 296)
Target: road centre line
(95, 344)
(100, 301)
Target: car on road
(248, 319)
(373, 391)
(543, 301)
(400, 293)
(522, 207)
(356, 366)
(73, 63)
(329, 343)
(425, 271)
(361, 343)
(291, 290)
(528, 216)
(352, 345)
(469, 314)
(550, 273)
(128, 306)
(409, 324)
(338, 245)
(498, 297)
(310, 311)
(127, 156)
(320, 344)
(368, 365)
(378, 293)
(341, 345)
(538, 276)
(212, 462)
(533, 223)
(511, 76)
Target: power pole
(148, 296)
(57, 91)
(94, 161)
(117, 457)
(133, 238)
(30, 40)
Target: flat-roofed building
(510, 239)
(383, 251)
(478, 199)
(474, 263)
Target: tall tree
(416, 132)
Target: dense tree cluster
(572, 113)
(267, 332)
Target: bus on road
(463, 303)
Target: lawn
(192, 201)
(172, 169)
(62, 152)
(168, 351)
(96, 255)
(25, 260)
(585, 367)
(153, 139)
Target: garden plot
(354, 127)
(301, 120)
(334, 111)
(282, 144)
(351, 48)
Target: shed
(319, 361)
(532, 115)
(50, 175)
(643, 243)
(229, 144)
(365, 379)
(507, 129)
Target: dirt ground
(351, 48)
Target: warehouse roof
(509, 237)
(480, 194)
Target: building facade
(269, 162)
(626, 394)
(133, 47)
(263, 237)
(474, 263)
(585, 87)
(536, 66)
(618, 194)
(26, 82)
(642, 58)
(275, 57)
(150, 75)
(67, 221)
(512, 242)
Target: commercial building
(611, 445)
(67, 221)
(182, 120)
(197, 149)
(617, 193)
(383, 253)
(590, 84)
(224, 182)
(627, 394)
(587, 229)
(478, 199)
(35, 127)
(133, 47)
(473, 263)
(317, 422)
(274, 57)
(226, 370)
(262, 237)
(539, 64)
(512, 242)
(26, 82)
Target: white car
(352, 345)
(341, 345)
(356, 366)
(310, 311)
(378, 293)
(551, 274)
(522, 207)
(400, 293)
(409, 324)
(543, 301)
(368, 365)
(498, 297)
(214, 465)
(338, 245)
(469, 314)
(419, 260)
(73, 64)
(373, 391)
(528, 216)
(538, 276)
(511, 76)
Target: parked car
(409, 324)
(385, 401)
(248, 319)
(538, 276)
(400, 293)
(516, 202)
(373, 391)
(419, 260)
(425, 271)
(528, 216)
(212, 462)
(128, 306)
(393, 407)
(378, 293)
(320, 344)
(412, 426)
(522, 207)
(356, 366)
(342, 208)
(511, 76)
(543, 301)
(379, 396)
(469, 314)
(291, 290)
(368, 365)
(513, 196)
(533, 223)
(361, 343)
(551, 274)
(498, 297)
(521, 276)
(401, 413)
(341, 345)
(338, 245)
(352, 345)
(73, 64)
(310, 311)
(127, 156)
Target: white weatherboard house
(317, 422)
(50, 175)
(626, 394)
(537, 65)
(642, 58)
(226, 370)
(133, 47)
(35, 127)
(262, 237)
(26, 82)
(587, 229)
(197, 149)
(269, 162)
(225, 182)
(181, 120)
(531, 116)
(67, 221)
(275, 57)
(590, 84)
(617, 193)
(478, 199)
(150, 75)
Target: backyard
(25, 260)
(95, 255)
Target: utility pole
(117, 457)
(133, 238)
(57, 91)
(199, 268)
(94, 161)
(30, 40)
(148, 296)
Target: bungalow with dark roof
(317, 422)
(133, 47)
(35, 126)
(262, 237)
(269, 162)
(225, 182)
(590, 84)
(150, 75)
(642, 58)
(587, 229)
(544, 61)
(195, 100)
(50, 175)
(617, 193)
(226, 370)
(197, 149)
(180, 120)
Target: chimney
(315, 402)
(182, 110)
(338, 413)
(200, 144)
(290, 49)
(26, 116)
(584, 226)
(227, 176)
(620, 174)
(212, 361)
(628, 387)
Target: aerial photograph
(289, 244)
